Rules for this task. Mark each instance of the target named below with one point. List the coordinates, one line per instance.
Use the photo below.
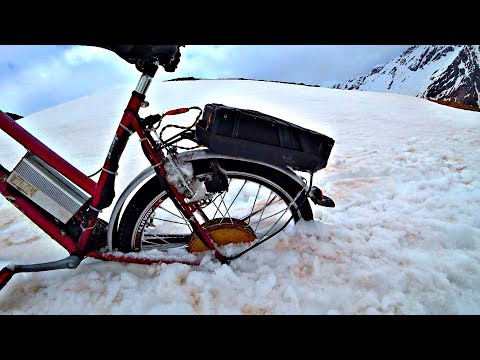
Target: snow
(179, 175)
(4, 264)
(404, 237)
(404, 80)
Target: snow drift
(403, 239)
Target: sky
(36, 77)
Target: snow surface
(403, 239)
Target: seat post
(143, 84)
(148, 70)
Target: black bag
(254, 135)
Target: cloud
(42, 77)
(313, 64)
(36, 77)
(79, 55)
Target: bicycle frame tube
(36, 147)
(35, 214)
(103, 194)
(186, 209)
(102, 191)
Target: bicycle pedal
(319, 198)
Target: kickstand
(5, 275)
(8, 269)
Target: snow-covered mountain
(439, 72)
(404, 237)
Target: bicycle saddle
(168, 56)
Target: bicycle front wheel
(259, 203)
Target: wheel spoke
(171, 237)
(225, 205)
(162, 247)
(152, 237)
(218, 207)
(263, 210)
(236, 196)
(256, 212)
(171, 221)
(154, 243)
(276, 222)
(168, 211)
(228, 208)
(254, 202)
(268, 217)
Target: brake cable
(184, 128)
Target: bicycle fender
(185, 156)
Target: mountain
(404, 237)
(437, 72)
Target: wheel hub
(223, 232)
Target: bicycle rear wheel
(259, 203)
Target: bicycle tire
(133, 220)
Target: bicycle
(179, 202)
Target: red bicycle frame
(102, 191)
